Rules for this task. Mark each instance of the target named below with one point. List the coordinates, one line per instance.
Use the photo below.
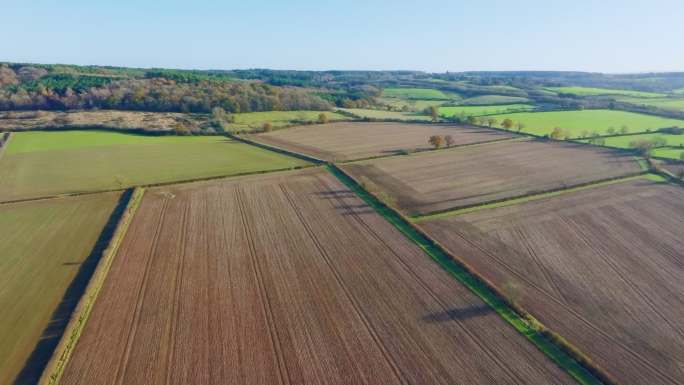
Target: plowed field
(603, 267)
(288, 279)
(347, 141)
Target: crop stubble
(602, 267)
(288, 278)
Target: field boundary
(280, 150)
(55, 367)
(560, 351)
(525, 197)
(159, 184)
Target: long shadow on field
(34, 366)
(458, 314)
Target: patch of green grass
(673, 150)
(553, 351)
(256, 120)
(390, 115)
(673, 104)
(42, 247)
(580, 122)
(413, 105)
(678, 91)
(450, 111)
(49, 164)
(592, 91)
(415, 93)
(492, 99)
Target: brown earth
(124, 120)
(444, 180)
(603, 267)
(287, 278)
(356, 140)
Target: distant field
(415, 93)
(381, 114)
(591, 91)
(624, 141)
(256, 120)
(482, 110)
(664, 103)
(588, 121)
(412, 104)
(48, 163)
(42, 246)
(437, 181)
(602, 267)
(492, 99)
(355, 140)
(288, 279)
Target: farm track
(640, 298)
(345, 298)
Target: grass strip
(555, 347)
(533, 197)
(55, 367)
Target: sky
(614, 36)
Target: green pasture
(415, 93)
(50, 163)
(580, 122)
(493, 99)
(593, 91)
(675, 104)
(382, 114)
(256, 120)
(450, 111)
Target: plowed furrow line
(357, 308)
(547, 276)
(264, 298)
(121, 368)
(175, 306)
(475, 339)
(571, 311)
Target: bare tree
(436, 141)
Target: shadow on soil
(34, 366)
(458, 314)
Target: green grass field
(415, 93)
(256, 120)
(679, 91)
(592, 91)
(380, 114)
(482, 110)
(492, 99)
(414, 105)
(42, 246)
(674, 149)
(664, 103)
(588, 121)
(48, 163)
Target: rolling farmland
(347, 141)
(43, 244)
(366, 113)
(306, 284)
(443, 180)
(602, 266)
(493, 100)
(582, 122)
(415, 93)
(592, 91)
(42, 163)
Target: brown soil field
(444, 180)
(354, 140)
(124, 120)
(603, 267)
(291, 279)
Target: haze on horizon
(489, 35)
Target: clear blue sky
(589, 35)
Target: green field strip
(565, 356)
(55, 368)
(528, 198)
